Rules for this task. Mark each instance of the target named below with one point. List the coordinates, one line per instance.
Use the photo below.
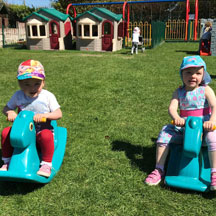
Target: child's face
(31, 87)
(192, 77)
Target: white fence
(13, 35)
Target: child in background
(194, 98)
(32, 97)
(135, 40)
(206, 37)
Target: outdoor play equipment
(25, 161)
(187, 19)
(188, 165)
(205, 51)
(127, 3)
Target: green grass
(114, 106)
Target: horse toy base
(25, 161)
(188, 183)
(194, 174)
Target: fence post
(3, 38)
(158, 33)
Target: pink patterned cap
(30, 69)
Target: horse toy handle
(23, 129)
(193, 136)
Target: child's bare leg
(161, 155)
(211, 141)
(212, 160)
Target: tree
(17, 13)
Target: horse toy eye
(31, 126)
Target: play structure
(98, 30)
(205, 37)
(126, 6)
(49, 29)
(188, 165)
(25, 161)
(205, 51)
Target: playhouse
(99, 30)
(49, 29)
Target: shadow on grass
(141, 157)
(206, 195)
(13, 188)
(144, 159)
(16, 46)
(188, 52)
(213, 76)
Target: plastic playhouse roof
(90, 13)
(116, 17)
(50, 11)
(36, 14)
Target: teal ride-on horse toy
(25, 160)
(188, 165)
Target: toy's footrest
(186, 183)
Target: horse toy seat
(25, 161)
(188, 165)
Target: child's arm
(210, 95)
(11, 114)
(55, 115)
(173, 110)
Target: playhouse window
(54, 28)
(28, 30)
(36, 31)
(79, 30)
(42, 30)
(87, 31)
(107, 28)
(94, 30)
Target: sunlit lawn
(114, 105)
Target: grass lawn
(114, 106)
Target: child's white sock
(159, 167)
(47, 163)
(6, 160)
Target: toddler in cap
(32, 97)
(193, 98)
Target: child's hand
(180, 122)
(208, 125)
(11, 115)
(38, 117)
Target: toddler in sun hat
(195, 61)
(193, 98)
(32, 97)
(135, 40)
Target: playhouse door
(107, 35)
(54, 34)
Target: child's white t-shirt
(45, 102)
(136, 37)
